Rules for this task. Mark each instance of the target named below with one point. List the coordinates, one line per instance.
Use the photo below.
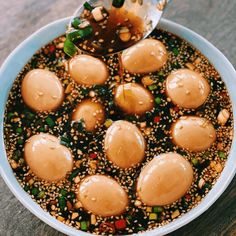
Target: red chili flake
(176, 108)
(52, 48)
(93, 155)
(187, 197)
(157, 119)
(107, 227)
(120, 224)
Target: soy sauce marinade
(105, 31)
(87, 148)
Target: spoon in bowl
(105, 27)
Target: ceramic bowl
(20, 56)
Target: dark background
(213, 19)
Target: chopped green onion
(42, 129)
(158, 100)
(158, 209)
(140, 228)
(69, 48)
(64, 141)
(71, 195)
(83, 225)
(19, 130)
(20, 141)
(16, 155)
(73, 174)
(152, 87)
(41, 194)
(175, 51)
(80, 125)
(207, 186)
(221, 155)
(63, 192)
(10, 115)
(195, 162)
(87, 6)
(50, 122)
(76, 22)
(35, 191)
(62, 203)
(26, 188)
(74, 35)
(29, 115)
(118, 3)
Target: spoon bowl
(149, 11)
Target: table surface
(213, 19)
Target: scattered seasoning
(60, 200)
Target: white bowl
(20, 56)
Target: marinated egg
(193, 133)
(102, 196)
(164, 180)
(91, 112)
(124, 144)
(187, 88)
(47, 158)
(132, 98)
(88, 70)
(147, 56)
(42, 90)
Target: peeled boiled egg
(88, 70)
(42, 90)
(47, 158)
(164, 180)
(133, 98)
(187, 88)
(102, 196)
(124, 144)
(91, 112)
(147, 56)
(193, 133)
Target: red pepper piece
(52, 48)
(120, 224)
(93, 155)
(157, 119)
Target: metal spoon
(150, 11)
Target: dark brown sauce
(105, 38)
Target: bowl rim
(23, 52)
